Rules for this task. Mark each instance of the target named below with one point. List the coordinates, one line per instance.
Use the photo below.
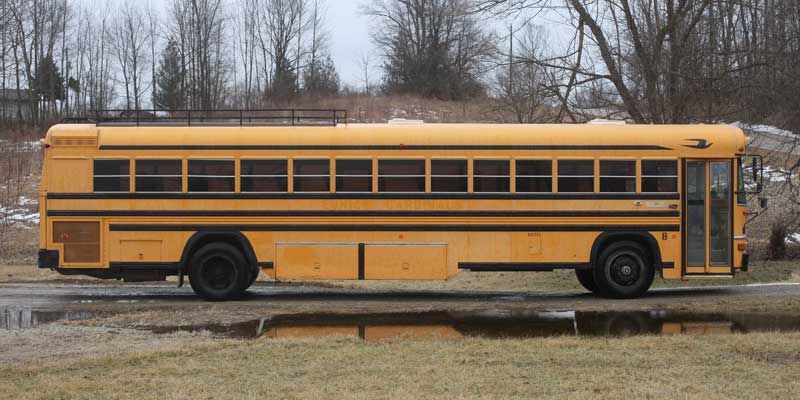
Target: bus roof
(687, 140)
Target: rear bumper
(48, 258)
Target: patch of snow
(793, 238)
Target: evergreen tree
(321, 78)
(48, 84)
(169, 78)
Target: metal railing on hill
(260, 117)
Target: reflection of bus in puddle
(515, 324)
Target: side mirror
(762, 202)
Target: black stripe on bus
(390, 147)
(145, 266)
(363, 196)
(391, 228)
(506, 266)
(353, 213)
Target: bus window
(449, 176)
(112, 175)
(401, 175)
(264, 176)
(659, 176)
(576, 176)
(534, 176)
(491, 176)
(158, 175)
(312, 175)
(354, 175)
(617, 176)
(211, 175)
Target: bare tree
(431, 47)
(129, 39)
(198, 26)
(38, 25)
(522, 87)
(364, 60)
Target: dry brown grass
(757, 366)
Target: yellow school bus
(305, 196)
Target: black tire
(219, 271)
(623, 271)
(254, 277)
(586, 279)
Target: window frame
(600, 175)
(642, 176)
(465, 160)
(183, 167)
(295, 176)
(95, 176)
(424, 175)
(552, 176)
(242, 175)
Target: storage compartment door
(316, 261)
(405, 261)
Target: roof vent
(403, 121)
(74, 142)
(600, 121)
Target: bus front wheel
(623, 271)
(218, 271)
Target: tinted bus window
(264, 175)
(660, 176)
(617, 176)
(353, 175)
(211, 175)
(575, 176)
(491, 176)
(112, 175)
(312, 175)
(449, 176)
(534, 176)
(401, 175)
(159, 175)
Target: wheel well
(646, 240)
(233, 238)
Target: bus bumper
(745, 262)
(48, 258)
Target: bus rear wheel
(218, 271)
(586, 279)
(623, 271)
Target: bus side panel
(146, 247)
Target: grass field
(753, 366)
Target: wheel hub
(625, 270)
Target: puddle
(495, 324)
(25, 318)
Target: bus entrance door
(707, 217)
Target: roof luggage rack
(265, 117)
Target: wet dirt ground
(40, 320)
